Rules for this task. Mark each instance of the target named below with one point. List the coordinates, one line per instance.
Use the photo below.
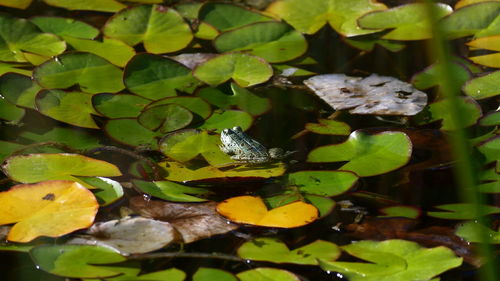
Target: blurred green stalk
(465, 170)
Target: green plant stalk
(465, 170)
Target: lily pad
(66, 27)
(171, 191)
(196, 105)
(227, 119)
(329, 127)
(401, 211)
(14, 68)
(430, 77)
(155, 77)
(490, 119)
(485, 15)
(119, 106)
(19, 4)
(368, 44)
(394, 260)
(207, 274)
(79, 261)
(113, 50)
(49, 208)
(273, 250)
(130, 132)
(107, 191)
(19, 37)
(483, 87)
(92, 73)
(7, 148)
(32, 168)
(74, 108)
(471, 229)
(265, 273)
(78, 139)
(461, 211)
(245, 70)
(19, 89)
(165, 118)
(324, 183)
(407, 22)
(10, 112)
(273, 41)
(311, 16)
(490, 149)
(389, 150)
(439, 110)
(160, 29)
(374, 94)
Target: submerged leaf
(49, 208)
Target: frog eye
(237, 128)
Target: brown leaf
(194, 221)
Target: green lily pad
(160, 29)
(241, 98)
(461, 211)
(180, 172)
(267, 274)
(19, 4)
(130, 132)
(324, 205)
(292, 71)
(324, 183)
(10, 112)
(78, 139)
(486, 16)
(430, 77)
(79, 261)
(119, 106)
(115, 51)
(33, 168)
(483, 87)
(490, 149)
(92, 73)
(19, 89)
(439, 110)
(329, 127)
(89, 5)
(171, 274)
(311, 16)
(471, 229)
(490, 119)
(171, 191)
(196, 105)
(66, 27)
(273, 250)
(225, 16)
(209, 274)
(19, 36)
(368, 44)
(185, 145)
(165, 118)
(10, 67)
(106, 191)
(389, 150)
(401, 211)
(74, 108)
(407, 22)
(272, 41)
(245, 70)
(221, 120)
(393, 260)
(7, 148)
(155, 77)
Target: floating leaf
(272, 41)
(155, 77)
(483, 87)
(79, 261)
(241, 97)
(430, 76)
(89, 5)
(130, 132)
(341, 15)
(129, 235)
(64, 166)
(394, 260)
(227, 119)
(171, 191)
(406, 22)
(489, 43)
(194, 221)
(462, 211)
(207, 274)
(92, 73)
(7, 148)
(374, 94)
(485, 15)
(389, 150)
(463, 3)
(471, 230)
(165, 118)
(490, 149)
(194, 104)
(367, 44)
(264, 274)
(119, 106)
(171, 274)
(19, 37)
(324, 183)
(10, 112)
(245, 70)
(10, 67)
(106, 190)
(439, 110)
(329, 127)
(401, 211)
(19, 4)
(273, 250)
(49, 208)
(161, 29)
(252, 210)
(66, 27)
(78, 139)
(74, 108)
(19, 89)
(115, 51)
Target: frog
(243, 149)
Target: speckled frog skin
(244, 149)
